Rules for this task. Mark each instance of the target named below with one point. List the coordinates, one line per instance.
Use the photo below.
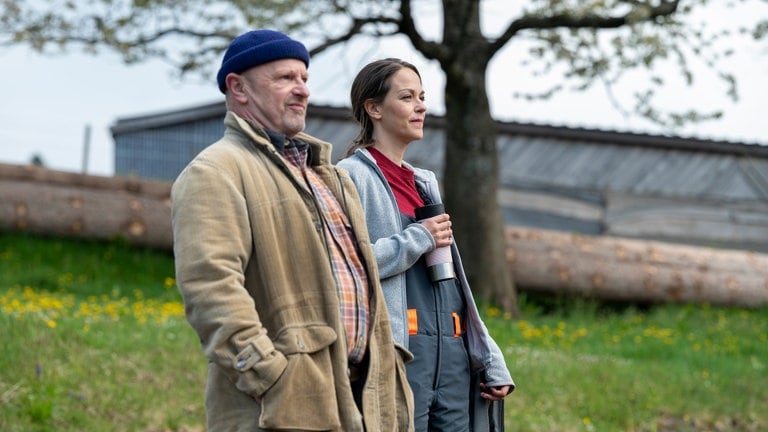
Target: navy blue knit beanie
(258, 47)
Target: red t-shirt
(401, 181)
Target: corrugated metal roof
(553, 158)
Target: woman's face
(401, 115)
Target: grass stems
(94, 338)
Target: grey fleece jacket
(397, 248)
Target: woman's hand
(493, 393)
(440, 228)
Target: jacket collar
(320, 151)
(366, 155)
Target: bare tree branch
(594, 21)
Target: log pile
(56, 203)
(64, 204)
(613, 268)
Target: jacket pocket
(304, 397)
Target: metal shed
(677, 189)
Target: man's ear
(373, 109)
(236, 87)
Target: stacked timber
(64, 204)
(622, 269)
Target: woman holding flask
(458, 374)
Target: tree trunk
(611, 268)
(56, 203)
(471, 174)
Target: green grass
(94, 339)
(585, 366)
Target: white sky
(47, 103)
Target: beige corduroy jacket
(254, 271)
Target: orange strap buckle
(413, 322)
(456, 324)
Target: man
(275, 265)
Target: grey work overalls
(439, 372)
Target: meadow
(95, 339)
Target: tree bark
(57, 203)
(620, 269)
(471, 174)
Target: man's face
(278, 95)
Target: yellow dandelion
(169, 283)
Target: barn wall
(593, 182)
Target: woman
(457, 368)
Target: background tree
(588, 42)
